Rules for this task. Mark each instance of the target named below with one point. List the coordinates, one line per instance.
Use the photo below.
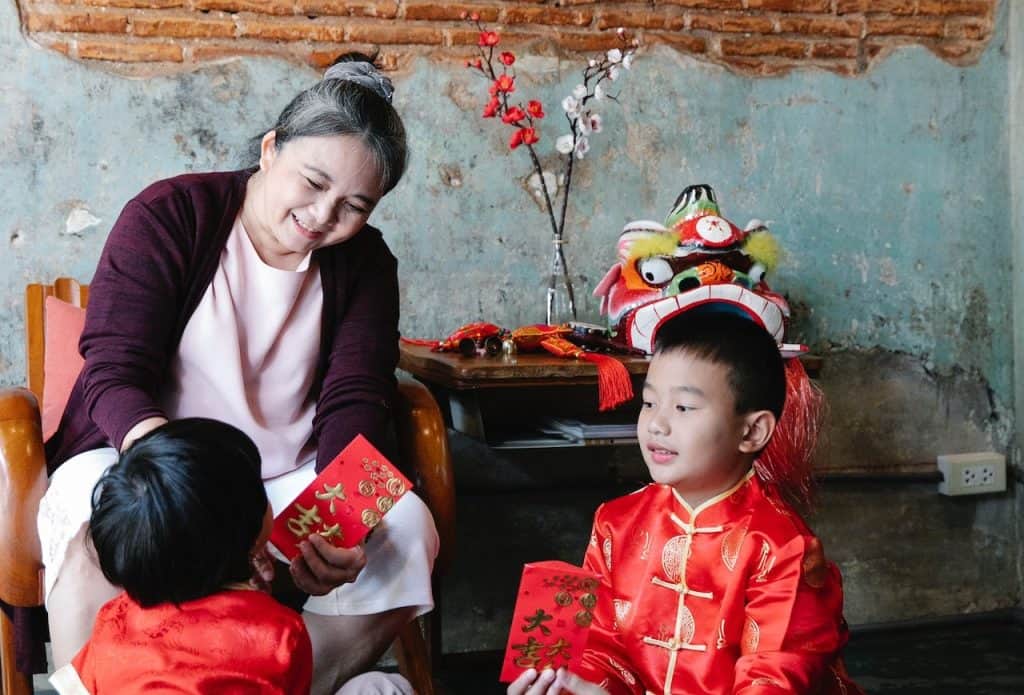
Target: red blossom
(504, 83)
(491, 108)
(523, 136)
(507, 57)
(535, 108)
(488, 38)
(513, 115)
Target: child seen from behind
(175, 523)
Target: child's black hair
(177, 516)
(756, 373)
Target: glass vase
(560, 306)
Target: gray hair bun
(364, 74)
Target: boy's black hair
(176, 517)
(722, 336)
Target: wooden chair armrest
(22, 484)
(409, 649)
(423, 440)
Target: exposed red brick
(612, 19)
(681, 42)
(384, 9)
(129, 52)
(468, 37)
(394, 34)
(739, 24)
(139, 4)
(57, 45)
(707, 4)
(758, 66)
(433, 11)
(791, 5)
(904, 27)
(183, 27)
(950, 7)
(294, 30)
(217, 51)
(968, 29)
(90, 22)
(763, 46)
(956, 50)
(547, 15)
(589, 41)
(274, 7)
(842, 68)
(834, 49)
(828, 26)
(898, 7)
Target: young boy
(711, 582)
(175, 522)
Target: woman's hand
(551, 683)
(321, 567)
(262, 569)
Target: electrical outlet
(972, 474)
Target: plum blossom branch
(579, 109)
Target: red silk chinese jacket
(236, 641)
(734, 596)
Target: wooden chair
(422, 441)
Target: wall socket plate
(972, 474)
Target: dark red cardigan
(160, 257)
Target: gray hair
(354, 98)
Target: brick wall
(761, 37)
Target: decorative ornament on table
(699, 260)
(614, 385)
(583, 121)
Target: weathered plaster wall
(891, 193)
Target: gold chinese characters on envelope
(345, 502)
(551, 620)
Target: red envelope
(552, 618)
(349, 497)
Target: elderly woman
(264, 299)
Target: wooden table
(503, 400)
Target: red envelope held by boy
(552, 617)
(344, 503)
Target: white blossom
(583, 124)
(598, 92)
(614, 55)
(580, 91)
(582, 147)
(627, 61)
(571, 106)
(613, 73)
(592, 63)
(595, 122)
(564, 144)
(620, 31)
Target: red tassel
(420, 341)
(786, 461)
(614, 386)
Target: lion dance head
(696, 258)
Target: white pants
(400, 552)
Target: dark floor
(981, 657)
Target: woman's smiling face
(310, 193)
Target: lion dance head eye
(655, 271)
